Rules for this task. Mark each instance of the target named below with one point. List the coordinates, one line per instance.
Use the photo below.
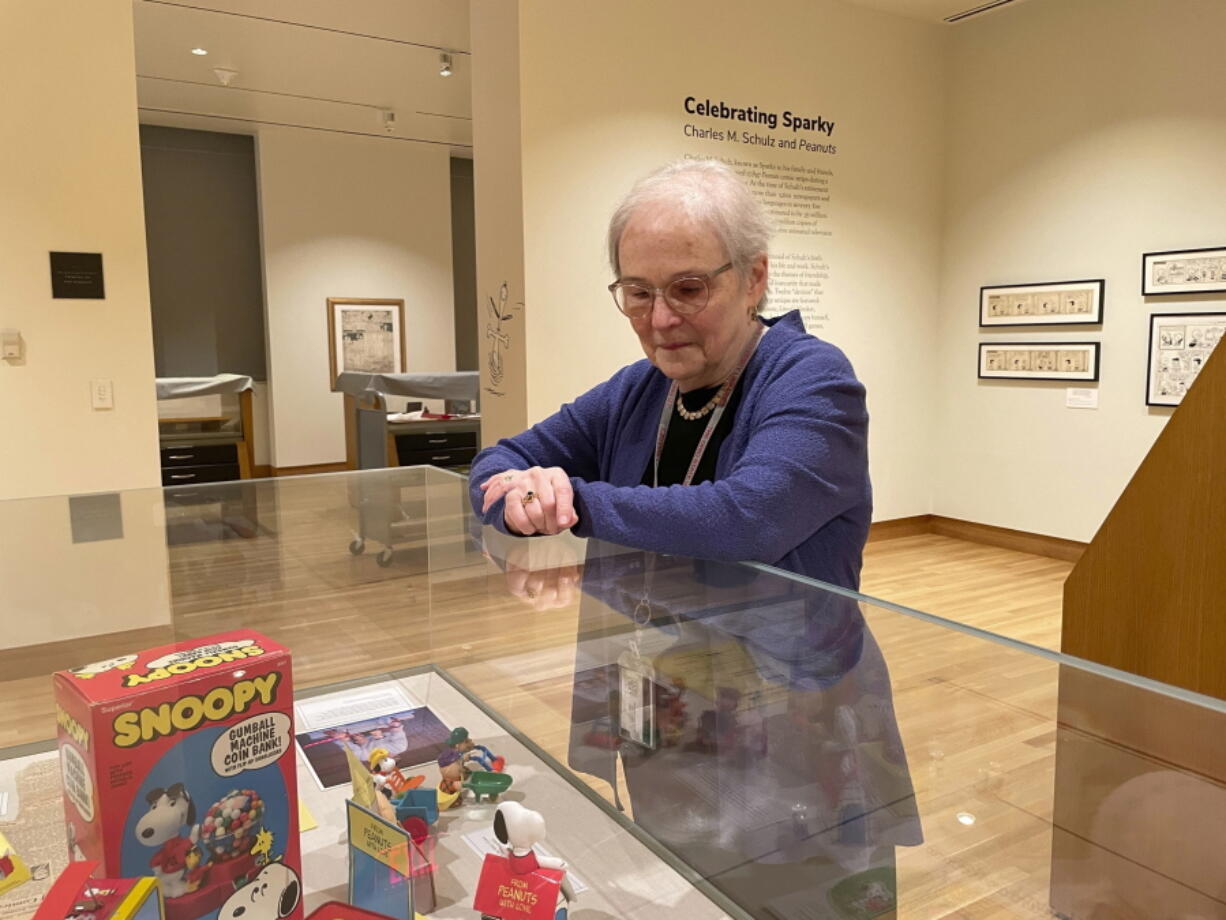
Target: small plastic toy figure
(388, 778)
(474, 757)
(452, 783)
(520, 882)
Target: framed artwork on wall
(365, 336)
(1179, 346)
(1039, 360)
(1183, 271)
(1048, 303)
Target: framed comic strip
(1183, 271)
(1039, 360)
(365, 336)
(1048, 303)
(1179, 346)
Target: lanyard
(725, 393)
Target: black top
(683, 438)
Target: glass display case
(703, 739)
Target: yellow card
(306, 820)
(378, 839)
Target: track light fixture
(444, 64)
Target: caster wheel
(384, 559)
(357, 547)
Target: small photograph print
(1179, 347)
(1039, 360)
(1042, 304)
(412, 738)
(1187, 271)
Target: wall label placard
(77, 276)
(802, 132)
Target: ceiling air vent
(977, 10)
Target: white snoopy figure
(272, 895)
(518, 830)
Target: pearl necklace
(705, 410)
(715, 400)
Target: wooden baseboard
(1021, 541)
(310, 469)
(900, 527)
(1036, 544)
(261, 471)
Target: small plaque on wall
(77, 275)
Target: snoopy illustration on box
(273, 894)
(170, 809)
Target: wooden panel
(247, 447)
(1149, 593)
(307, 470)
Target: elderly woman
(738, 438)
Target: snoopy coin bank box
(179, 763)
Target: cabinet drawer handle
(182, 475)
(181, 457)
(437, 441)
(444, 457)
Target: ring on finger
(528, 499)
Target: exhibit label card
(77, 275)
(379, 866)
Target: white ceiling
(925, 10)
(311, 63)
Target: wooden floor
(1008, 593)
(977, 718)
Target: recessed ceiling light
(965, 817)
(199, 51)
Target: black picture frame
(1162, 383)
(1090, 375)
(1093, 289)
(1151, 268)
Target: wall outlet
(102, 394)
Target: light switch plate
(102, 394)
(10, 344)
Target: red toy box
(178, 762)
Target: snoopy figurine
(518, 830)
(169, 810)
(273, 894)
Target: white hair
(709, 193)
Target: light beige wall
(498, 193)
(1082, 134)
(52, 589)
(354, 217)
(70, 181)
(602, 91)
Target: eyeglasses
(687, 296)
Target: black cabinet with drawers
(185, 464)
(439, 447)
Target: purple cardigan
(791, 487)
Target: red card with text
(502, 893)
